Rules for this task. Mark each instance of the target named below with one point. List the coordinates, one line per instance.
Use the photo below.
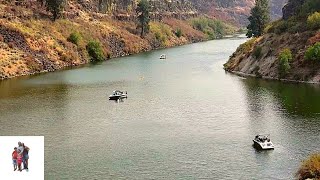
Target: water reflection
(121, 100)
(294, 99)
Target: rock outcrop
(236, 11)
(291, 8)
(125, 9)
(261, 57)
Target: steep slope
(31, 43)
(236, 11)
(269, 56)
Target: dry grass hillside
(289, 49)
(265, 63)
(32, 43)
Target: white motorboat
(118, 95)
(263, 142)
(163, 56)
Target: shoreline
(241, 74)
(88, 62)
(71, 66)
(236, 35)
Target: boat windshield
(117, 92)
(262, 138)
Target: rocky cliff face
(31, 43)
(260, 57)
(125, 9)
(291, 8)
(245, 60)
(236, 11)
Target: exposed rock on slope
(31, 43)
(244, 61)
(261, 57)
(236, 11)
(291, 8)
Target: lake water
(185, 118)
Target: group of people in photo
(20, 156)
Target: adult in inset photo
(23, 150)
(25, 156)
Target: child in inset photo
(19, 160)
(14, 158)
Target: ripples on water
(185, 118)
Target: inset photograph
(22, 157)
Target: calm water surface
(185, 118)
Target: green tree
(313, 53)
(95, 51)
(55, 7)
(259, 18)
(285, 57)
(143, 11)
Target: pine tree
(55, 7)
(143, 11)
(259, 18)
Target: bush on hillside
(257, 52)
(292, 25)
(284, 58)
(313, 53)
(75, 38)
(281, 27)
(211, 27)
(162, 32)
(310, 168)
(314, 21)
(247, 46)
(95, 51)
(309, 7)
(178, 32)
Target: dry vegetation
(310, 168)
(31, 43)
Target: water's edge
(81, 64)
(242, 74)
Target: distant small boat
(118, 95)
(263, 142)
(163, 56)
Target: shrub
(211, 27)
(310, 168)
(269, 28)
(178, 33)
(313, 53)
(157, 35)
(161, 32)
(257, 52)
(309, 7)
(247, 46)
(95, 51)
(285, 57)
(314, 21)
(281, 27)
(75, 38)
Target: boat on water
(163, 56)
(263, 142)
(118, 95)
